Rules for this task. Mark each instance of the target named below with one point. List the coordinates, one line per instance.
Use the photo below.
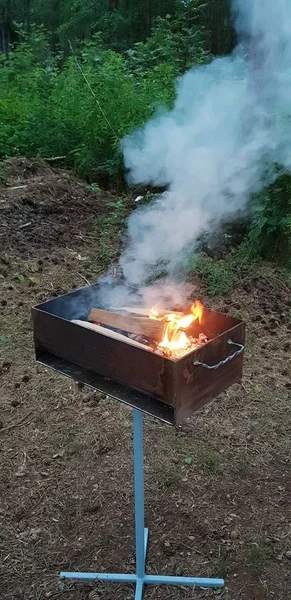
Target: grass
(2, 171)
(221, 276)
(209, 460)
(242, 467)
(217, 276)
(258, 556)
(221, 567)
(171, 478)
(109, 231)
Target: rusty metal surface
(128, 396)
(173, 389)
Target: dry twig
(84, 278)
(18, 423)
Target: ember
(176, 343)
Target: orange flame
(197, 310)
(175, 340)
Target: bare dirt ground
(65, 452)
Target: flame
(175, 340)
(154, 313)
(197, 310)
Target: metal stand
(140, 578)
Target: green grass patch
(258, 556)
(218, 276)
(221, 276)
(243, 467)
(209, 460)
(109, 231)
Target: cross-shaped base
(140, 582)
(141, 578)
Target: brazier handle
(222, 362)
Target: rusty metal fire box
(165, 388)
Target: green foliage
(27, 274)
(121, 23)
(81, 101)
(178, 40)
(270, 234)
(221, 276)
(80, 109)
(218, 276)
(78, 75)
(109, 231)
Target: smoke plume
(228, 128)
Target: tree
(5, 27)
(221, 31)
(120, 23)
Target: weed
(92, 187)
(220, 276)
(242, 467)
(209, 460)
(26, 273)
(284, 275)
(110, 229)
(216, 275)
(258, 556)
(221, 567)
(2, 171)
(238, 315)
(171, 478)
(47, 109)
(270, 234)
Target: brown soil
(66, 461)
(41, 207)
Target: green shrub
(80, 109)
(270, 234)
(82, 106)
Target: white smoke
(229, 126)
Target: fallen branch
(52, 158)
(17, 187)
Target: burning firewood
(170, 332)
(145, 312)
(111, 334)
(143, 326)
(168, 379)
